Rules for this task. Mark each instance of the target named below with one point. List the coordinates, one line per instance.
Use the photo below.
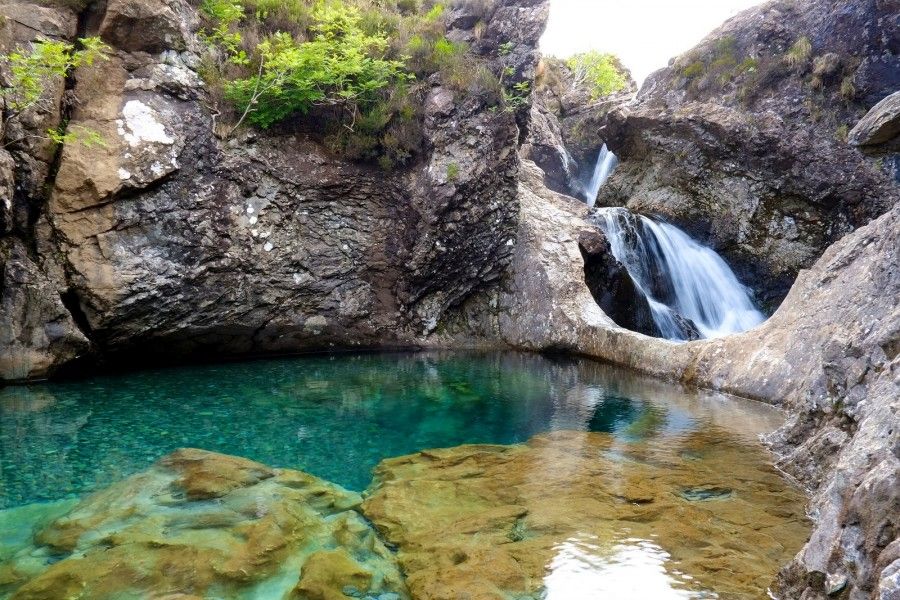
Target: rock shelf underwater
(607, 482)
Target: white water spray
(678, 276)
(607, 161)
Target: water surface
(337, 417)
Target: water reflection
(335, 417)
(634, 569)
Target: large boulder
(147, 25)
(880, 125)
(173, 241)
(742, 140)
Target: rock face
(513, 521)
(741, 141)
(567, 126)
(199, 525)
(173, 242)
(611, 285)
(36, 329)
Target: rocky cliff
(743, 139)
(167, 239)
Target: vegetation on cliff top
(601, 72)
(352, 72)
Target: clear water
(679, 277)
(673, 499)
(333, 416)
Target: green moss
(694, 70)
(842, 132)
(799, 53)
(452, 172)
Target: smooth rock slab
(497, 522)
(205, 525)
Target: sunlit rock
(201, 525)
(514, 521)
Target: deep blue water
(333, 416)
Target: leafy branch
(29, 73)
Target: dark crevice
(72, 303)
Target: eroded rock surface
(828, 355)
(200, 525)
(509, 521)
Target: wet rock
(567, 127)
(744, 147)
(174, 243)
(7, 189)
(880, 125)
(612, 286)
(199, 524)
(37, 332)
(829, 355)
(494, 521)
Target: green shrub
(842, 133)
(848, 89)
(694, 70)
(340, 66)
(358, 68)
(599, 71)
(799, 53)
(32, 71)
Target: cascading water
(680, 278)
(607, 161)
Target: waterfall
(607, 161)
(680, 278)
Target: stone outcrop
(199, 525)
(37, 331)
(741, 141)
(880, 125)
(829, 356)
(567, 126)
(508, 521)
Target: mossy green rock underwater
(568, 515)
(205, 525)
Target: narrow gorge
(322, 300)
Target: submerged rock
(499, 521)
(204, 525)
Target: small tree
(28, 73)
(340, 66)
(599, 71)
